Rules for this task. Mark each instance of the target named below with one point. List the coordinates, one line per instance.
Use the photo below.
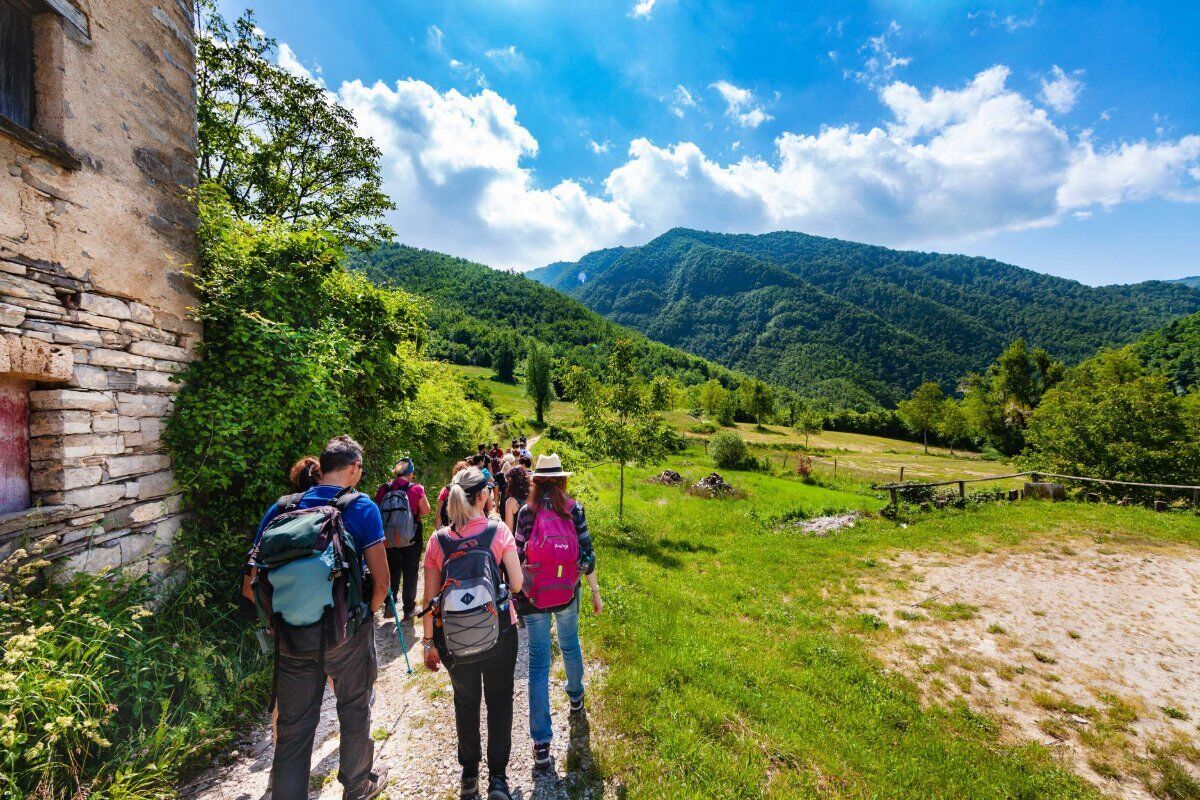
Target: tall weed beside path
(105, 699)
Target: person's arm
(423, 505)
(433, 582)
(587, 555)
(376, 558)
(511, 507)
(512, 567)
(524, 529)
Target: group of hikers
(510, 550)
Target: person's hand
(432, 659)
(597, 602)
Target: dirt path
(413, 724)
(1089, 650)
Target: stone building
(97, 152)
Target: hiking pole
(399, 633)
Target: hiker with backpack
(555, 549)
(403, 504)
(471, 571)
(307, 577)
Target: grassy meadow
(737, 666)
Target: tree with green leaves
(662, 393)
(539, 383)
(756, 400)
(713, 396)
(952, 425)
(620, 425)
(1110, 419)
(998, 404)
(504, 359)
(809, 423)
(278, 143)
(921, 412)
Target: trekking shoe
(468, 787)
(375, 784)
(498, 788)
(576, 705)
(541, 757)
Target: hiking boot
(498, 788)
(374, 785)
(542, 761)
(576, 704)
(468, 787)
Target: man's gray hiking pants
(300, 685)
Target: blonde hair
(460, 502)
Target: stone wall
(96, 234)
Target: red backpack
(551, 560)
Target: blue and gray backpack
(310, 572)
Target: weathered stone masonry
(96, 232)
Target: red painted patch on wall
(14, 445)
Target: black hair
(339, 453)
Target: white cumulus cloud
(452, 164)
(1061, 91)
(945, 165)
(741, 105)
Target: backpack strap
(342, 500)
(289, 501)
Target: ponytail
(464, 492)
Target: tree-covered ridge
(1173, 351)
(816, 314)
(475, 313)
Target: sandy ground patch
(413, 721)
(1091, 651)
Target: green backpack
(310, 571)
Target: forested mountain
(1174, 351)
(1193, 281)
(853, 322)
(472, 309)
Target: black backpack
(471, 608)
(399, 526)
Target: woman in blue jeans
(549, 495)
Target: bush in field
(728, 451)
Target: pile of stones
(712, 486)
(668, 477)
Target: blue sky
(1063, 137)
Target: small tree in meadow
(809, 423)
(619, 422)
(538, 382)
(921, 413)
(953, 426)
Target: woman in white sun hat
(555, 550)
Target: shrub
(728, 450)
(704, 428)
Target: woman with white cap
(555, 550)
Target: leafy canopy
(278, 143)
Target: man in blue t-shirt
(352, 666)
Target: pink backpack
(551, 560)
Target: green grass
(739, 665)
(510, 397)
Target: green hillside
(471, 307)
(1174, 351)
(849, 321)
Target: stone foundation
(101, 365)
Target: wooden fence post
(902, 474)
(895, 502)
(835, 468)
(962, 489)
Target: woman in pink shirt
(491, 677)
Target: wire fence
(894, 489)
